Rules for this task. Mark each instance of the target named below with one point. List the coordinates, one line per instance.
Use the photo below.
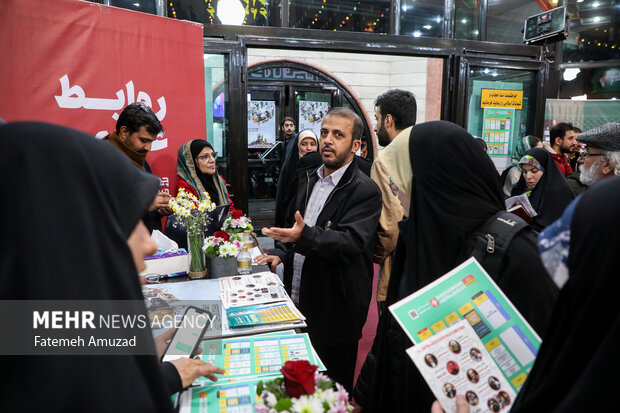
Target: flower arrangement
(193, 216)
(221, 244)
(302, 390)
(191, 210)
(237, 222)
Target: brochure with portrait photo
(468, 293)
(456, 362)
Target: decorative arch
(321, 72)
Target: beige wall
(370, 75)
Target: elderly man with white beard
(601, 156)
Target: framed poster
(497, 130)
(311, 115)
(261, 124)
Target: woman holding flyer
(454, 190)
(544, 184)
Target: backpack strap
(489, 243)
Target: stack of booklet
(246, 361)
(257, 299)
(468, 339)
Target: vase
(197, 267)
(222, 267)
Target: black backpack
(489, 243)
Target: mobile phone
(189, 334)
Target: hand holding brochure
(431, 315)
(455, 362)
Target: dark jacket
(336, 283)
(285, 205)
(152, 219)
(575, 183)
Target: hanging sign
(499, 98)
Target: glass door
(265, 111)
(500, 101)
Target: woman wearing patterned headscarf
(197, 172)
(546, 187)
(512, 174)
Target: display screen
(189, 333)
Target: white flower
(307, 404)
(329, 396)
(224, 250)
(270, 400)
(233, 250)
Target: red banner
(79, 64)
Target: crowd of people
(417, 211)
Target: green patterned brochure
(468, 292)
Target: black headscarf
(455, 191)
(578, 361)
(551, 195)
(70, 204)
(207, 180)
(286, 189)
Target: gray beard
(588, 176)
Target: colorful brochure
(469, 293)
(235, 397)
(263, 314)
(454, 361)
(251, 289)
(261, 355)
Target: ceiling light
(417, 33)
(596, 4)
(596, 19)
(230, 12)
(428, 27)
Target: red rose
(236, 214)
(298, 377)
(221, 234)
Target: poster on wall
(311, 115)
(261, 124)
(497, 130)
(61, 73)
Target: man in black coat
(327, 254)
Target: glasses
(584, 154)
(208, 156)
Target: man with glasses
(137, 128)
(601, 156)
